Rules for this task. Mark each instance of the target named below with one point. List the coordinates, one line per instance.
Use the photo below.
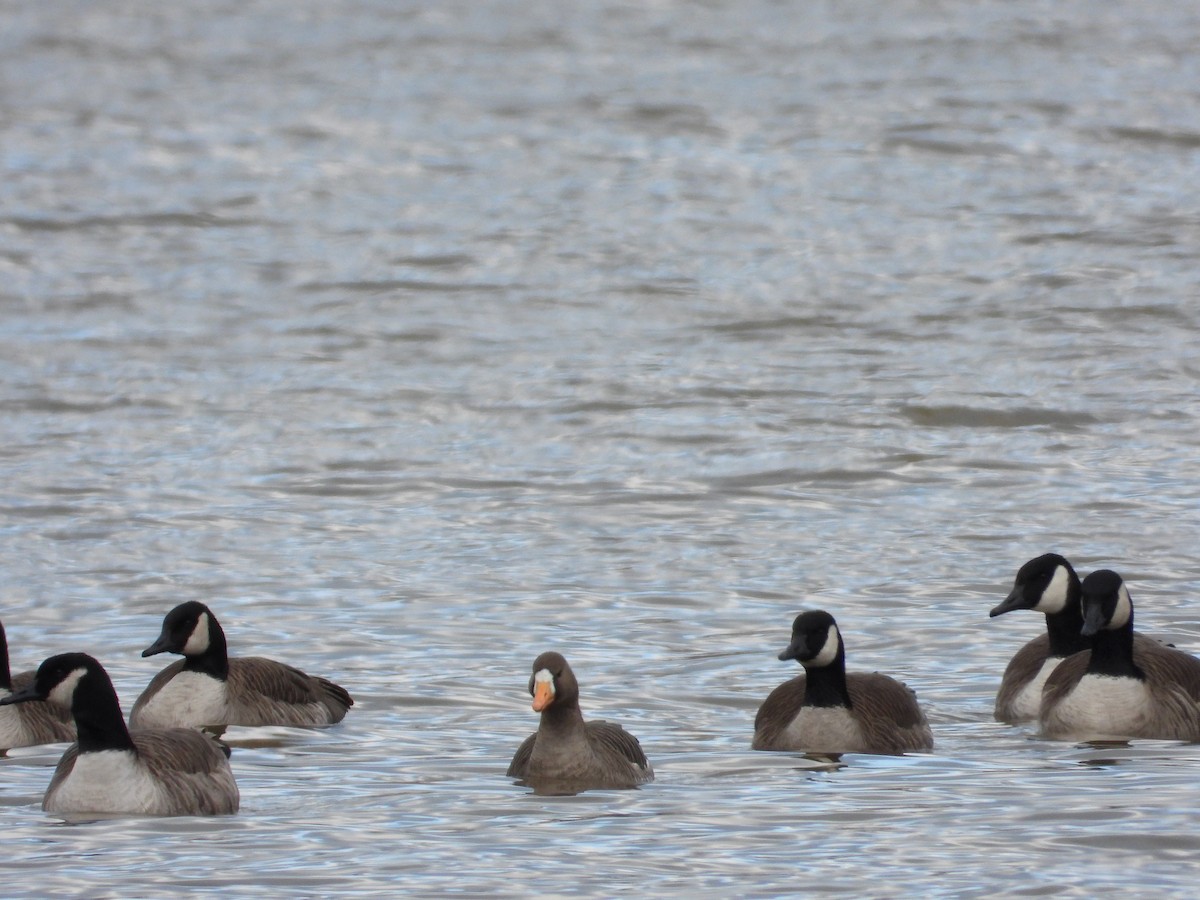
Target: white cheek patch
(1054, 597)
(197, 641)
(1124, 610)
(829, 649)
(543, 676)
(64, 692)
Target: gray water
(417, 339)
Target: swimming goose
(160, 772)
(567, 754)
(29, 723)
(828, 711)
(209, 689)
(1119, 690)
(1049, 585)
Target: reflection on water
(416, 339)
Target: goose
(1047, 584)
(827, 710)
(1118, 690)
(209, 689)
(29, 723)
(159, 772)
(567, 754)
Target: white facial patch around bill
(64, 692)
(543, 676)
(198, 640)
(1054, 597)
(1121, 615)
(829, 650)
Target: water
(417, 339)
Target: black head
(187, 629)
(1107, 605)
(1043, 584)
(58, 678)
(816, 641)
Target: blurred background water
(419, 338)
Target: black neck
(214, 661)
(5, 674)
(1064, 627)
(826, 685)
(97, 713)
(1112, 653)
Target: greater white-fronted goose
(567, 754)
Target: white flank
(824, 730)
(197, 641)
(189, 700)
(1054, 597)
(108, 781)
(1028, 701)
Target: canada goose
(1119, 690)
(827, 711)
(208, 689)
(160, 772)
(567, 754)
(29, 723)
(1049, 585)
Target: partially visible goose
(161, 772)
(566, 753)
(1049, 585)
(1118, 691)
(828, 711)
(208, 689)
(29, 723)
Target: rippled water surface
(419, 338)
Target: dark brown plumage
(28, 724)
(567, 754)
(208, 688)
(827, 710)
(1122, 688)
(159, 772)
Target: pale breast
(1101, 707)
(824, 730)
(189, 700)
(1028, 702)
(107, 781)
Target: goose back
(884, 717)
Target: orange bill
(543, 695)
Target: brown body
(257, 691)
(566, 753)
(884, 717)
